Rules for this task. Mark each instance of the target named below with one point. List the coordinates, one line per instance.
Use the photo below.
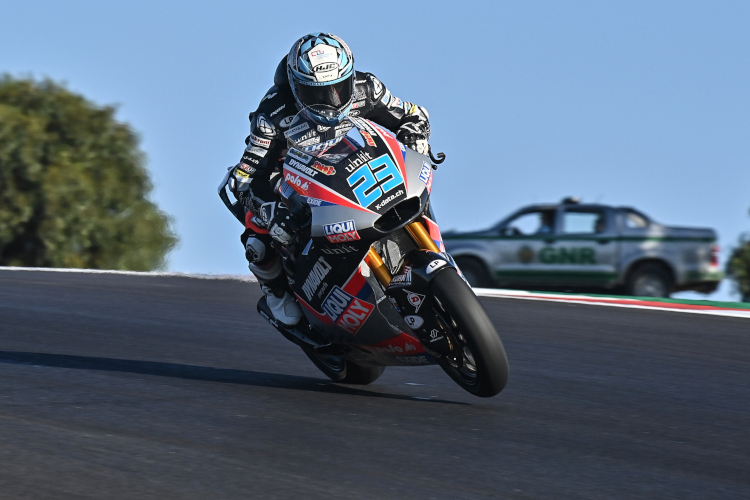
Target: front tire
(479, 364)
(345, 372)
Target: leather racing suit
(257, 175)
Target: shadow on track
(193, 372)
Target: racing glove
(410, 135)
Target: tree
(738, 267)
(73, 187)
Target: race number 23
(374, 179)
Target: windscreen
(335, 95)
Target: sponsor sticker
(299, 155)
(246, 157)
(346, 311)
(402, 279)
(393, 349)
(299, 182)
(259, 141)
(425, 173)
(392, 197)
(322, 146)
(341, 232)
(319, 271)
(239, 173)
(435, 336)
(246, 168)
(415, 299)
(323, 169)
(435, 265)
(338, 250)
(268, 96)
(329, 66)
(301, 167)
(367, 137)
(258, 151)
(286, 121)
(414, 321)
(309, 142)
(296, 130)
(360, 159)
(275, 112)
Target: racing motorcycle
(369, 267)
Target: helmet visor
(335, 95)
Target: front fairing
(353, 177)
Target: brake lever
(437, 161)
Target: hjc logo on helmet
(326, 67)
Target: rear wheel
(649, 280)
(345, 372)
(478, 362)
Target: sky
(644, 104)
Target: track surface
(163, 387)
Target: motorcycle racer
(317, 78)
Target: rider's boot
(282, 304)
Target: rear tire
(344, 372)
(649, 280)
(480, 365)
(475, 272)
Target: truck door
(585, 248)
(521, 241)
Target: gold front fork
(421, 237)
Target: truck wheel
(475, 272)
(649, 280)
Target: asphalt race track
(119, 386)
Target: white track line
(604, 301)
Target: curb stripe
(615, 302)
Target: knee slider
(255, 250)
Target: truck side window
(592, 222)
(538, 222)
(634, 220)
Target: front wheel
(478, 362)
(345, 372)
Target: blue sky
(635, 103)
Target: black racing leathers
(267, 145)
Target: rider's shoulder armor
(364, 96)
(274, 113)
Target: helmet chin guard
(320, 69)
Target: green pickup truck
(587, 247)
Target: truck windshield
(634, 220)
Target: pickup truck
(572, 246)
